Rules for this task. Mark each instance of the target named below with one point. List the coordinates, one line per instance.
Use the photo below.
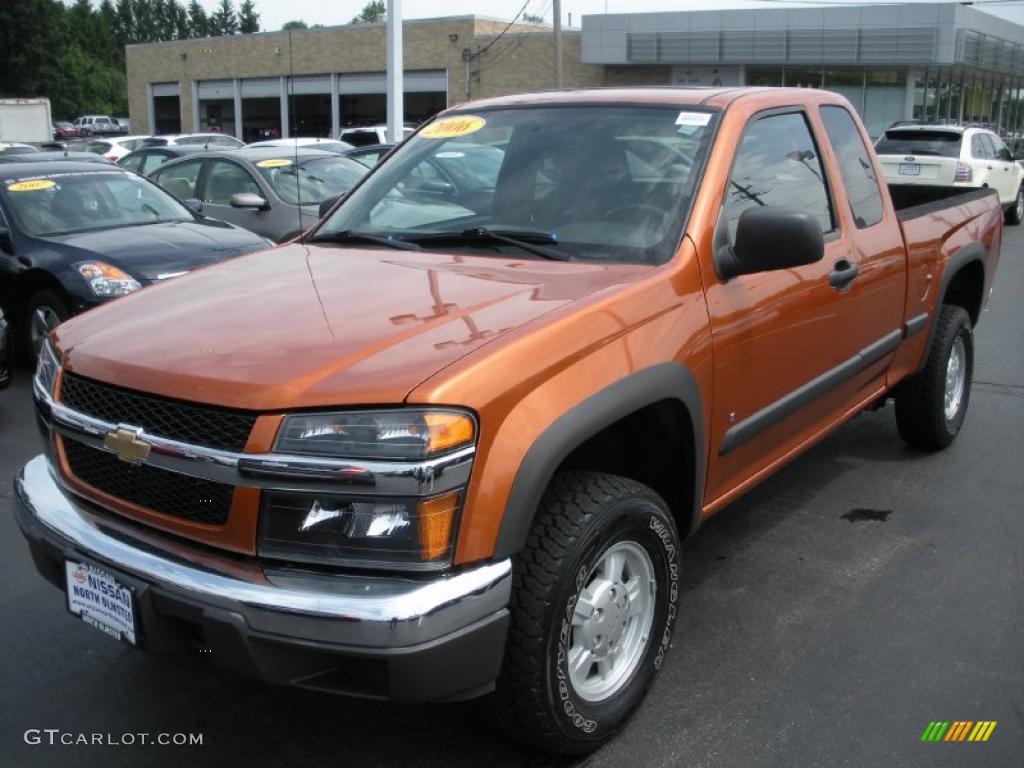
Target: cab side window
(854, 166)
(225, 179)
(777, 164)
(180, 180)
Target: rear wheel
(1015, 214)
(931, 407)
(45, 311)
(593, 607)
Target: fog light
(414, 534)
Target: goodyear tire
(931, 407)
(598, 576)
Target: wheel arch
(32, 281)
(963, 285)
(664, 397)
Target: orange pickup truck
(447, 443)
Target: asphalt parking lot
(826, 619)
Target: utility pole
(556, 10)
(396, 102)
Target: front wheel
(1015, 214)
(593, 606)
(930, 407)
(45, 311)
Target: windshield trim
(696, 175)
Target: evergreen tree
(224, 21)
(248, 19)
(372, 12)
(198, 23)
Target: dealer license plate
(98, 599)
(910, 169)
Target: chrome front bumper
(453, 622)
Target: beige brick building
(316, 81)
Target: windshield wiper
(350, 236)
(527, 240)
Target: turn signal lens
(964, 173)
(435, 519)
(447, 429)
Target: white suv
(951, 155)
(92, 124)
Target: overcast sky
(274, 13)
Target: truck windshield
(603, 183)
(61, 203)
(938, 143)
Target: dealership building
(940, 62)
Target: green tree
(248, 19)
(297, 24)
(224, 20)
(198, 23)
(373, 11)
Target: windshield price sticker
(277, 162)
(450, 127)
(31, 186)
(693, 118)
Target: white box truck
(25, 120)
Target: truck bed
(912, 201)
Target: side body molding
(665, 381)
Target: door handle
(843, 274)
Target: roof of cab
(719, 97)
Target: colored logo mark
(958, 730)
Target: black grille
(196, 424)
(182, 496)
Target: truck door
(787, 344)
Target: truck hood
(146, 252)
(302, 326)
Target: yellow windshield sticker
(277, 162)
(449, 127)
(31, 186)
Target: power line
(511, 48)
(502, 33)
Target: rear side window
(180, 180)
(152, 161)
(778, 164)
(97, 147)
(935, 143)
(980, 148)
(854, 166)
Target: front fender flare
(665, 381)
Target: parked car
(272, 192)
(480, 432)
(956, 156)
(77, 236)
(367, 135)
(5, 349)
(148, 159)
(11, 148)
(54, 155)
(62, 129)
(124, 123)
(113, 148)
(91, 125)
(327, 145)
(371, 155)
(218, 140)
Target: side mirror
(248, 200)
(434, 188)
(770, 238)
(326, 205)
(193, 205)
(5, 240)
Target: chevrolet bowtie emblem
(125, 442)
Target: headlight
(410, 534)
(46, 368)
(409, 434)
(106, 280)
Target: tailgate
(918, 169)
